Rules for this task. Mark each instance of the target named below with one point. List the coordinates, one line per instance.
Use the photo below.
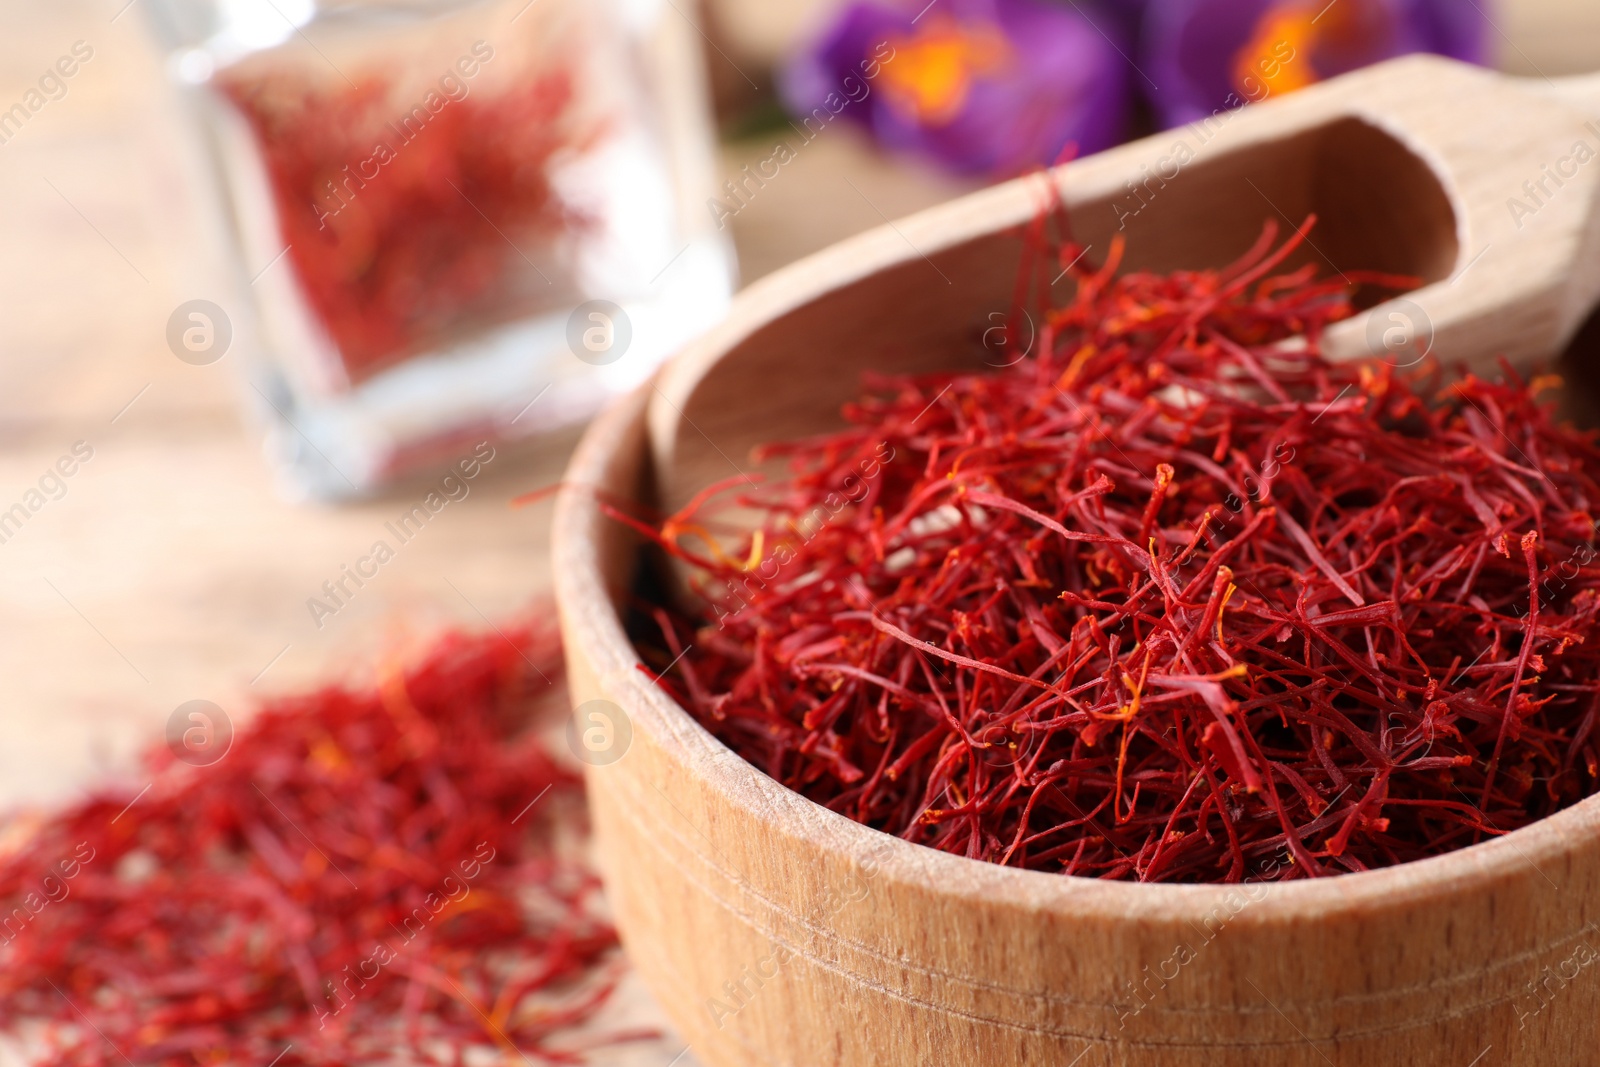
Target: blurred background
(206, 426)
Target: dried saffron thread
(362, 875)
(400, 236)
(1173, 598)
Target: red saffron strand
(398, 245)
(363, 875)
(1171, 597)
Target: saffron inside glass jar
(425, 196)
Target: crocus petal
(1200, 53)
(989, 86)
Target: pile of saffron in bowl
(1171, 598)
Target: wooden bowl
(776, 932)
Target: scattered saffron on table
(1174, 598)
(405, 224)
(363, 874)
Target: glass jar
(453, 220)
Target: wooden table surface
(170, 569)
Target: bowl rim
(586, 608)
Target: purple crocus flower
(1203, 55)
(985, 86)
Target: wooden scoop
(1480, 184)
(715, 871)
